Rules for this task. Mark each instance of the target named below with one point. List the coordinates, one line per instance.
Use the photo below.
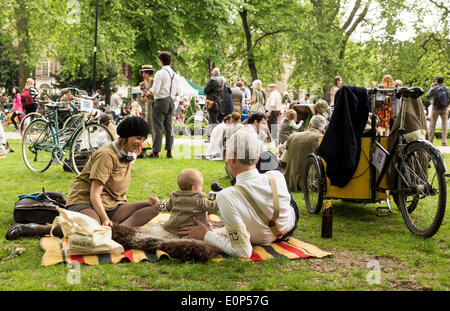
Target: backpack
(440, 100)
(26, 97)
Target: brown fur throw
(143, 239)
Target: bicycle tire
(313, 186)
(422, 170)
(38, 145)
(36, 115)
(66, 123)
(84, 144)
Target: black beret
(133, 126)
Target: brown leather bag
(209, 104)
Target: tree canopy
(307, 41)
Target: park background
(301, 45)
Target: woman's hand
(107, 222)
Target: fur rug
(154, 237)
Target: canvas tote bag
(85, 235)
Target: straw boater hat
(147, 68)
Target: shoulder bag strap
(276, 207)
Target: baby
(187, 202)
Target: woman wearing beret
(100, 190)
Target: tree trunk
(248, 39)
(211, 66)
(23, 41)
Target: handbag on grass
(85, 235)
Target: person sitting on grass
(100, 191)
(297, 148)
(185, 203)
(243, 223)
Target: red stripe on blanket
(129, 255)
(255, 257)
(294, 250)
(77, 259)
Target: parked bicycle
(45, 143)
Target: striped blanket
(292, 249)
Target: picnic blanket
(292, 249)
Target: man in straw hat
(147, 73)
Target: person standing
(146, 97)
(165, 86)
(215, 92)
(29, 97)
(247, 94)
(337, 82)
(17, 107)
(135, 108)
(273, 108)
(441, 97)
(236, 97)
(115, 105)
(256, 104)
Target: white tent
(188, 88)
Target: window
(45, 71)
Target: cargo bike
(408, 169)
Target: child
(187, 202)
(288, 125)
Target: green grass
(406, 261)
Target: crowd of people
(261, 180)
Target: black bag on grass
(38, 208)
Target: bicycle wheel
(313, 186)
(27, 119)
(85, 142)
(196, 126)
(72, 122)
(37, 146)
(422, 190)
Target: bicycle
(45, 143)
(417, 167)
(40, 112)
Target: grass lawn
(406, 262)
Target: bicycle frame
(62, 138)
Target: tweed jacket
(183, 204)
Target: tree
(320, 44)
(9, 69)
(263, 24)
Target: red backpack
(26, 97)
